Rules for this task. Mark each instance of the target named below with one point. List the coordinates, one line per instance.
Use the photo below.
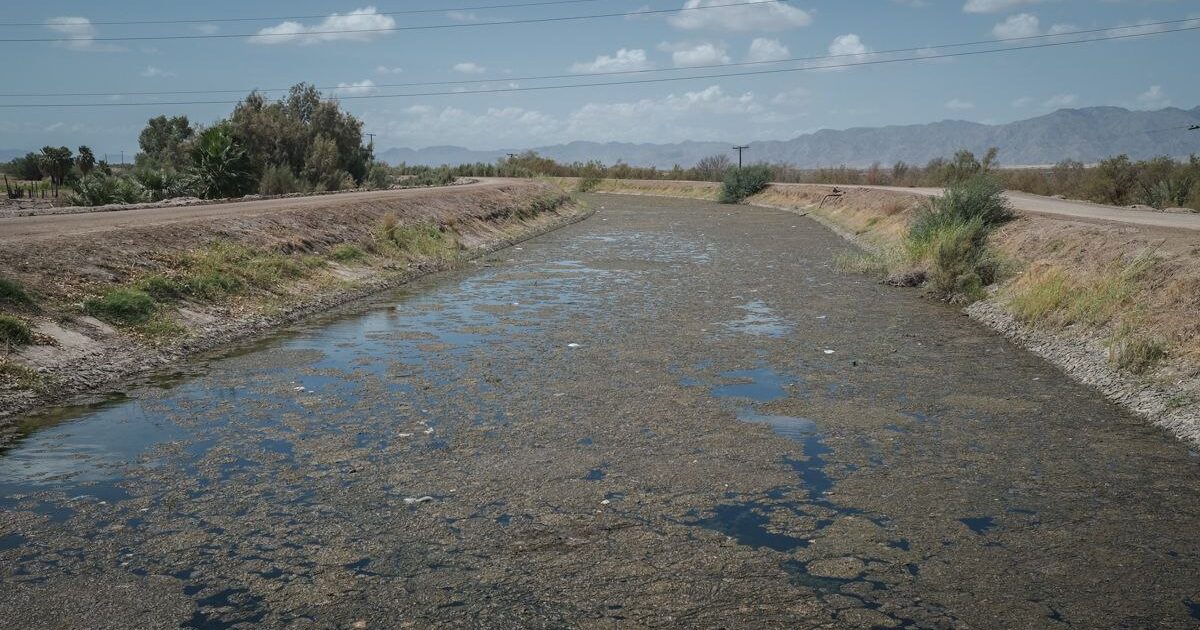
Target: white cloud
(1019, 25)
(758, 15)
(469, 67)
(79, 34)
(156, 72)
(849, 44)
(792, 97)
(463, 16)
(696, 115)
(764, 49)
(1059, 101)
(359, 25)
(624, 60)
(958, 105)
(388, 70)
(1153, 98)
(995, 6)
(206, 29)
(685, 54)
(1024, 101)
(358, 88)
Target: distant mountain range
(1086, 134)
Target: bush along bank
(114, 304)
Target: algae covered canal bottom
(674, 414)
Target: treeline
(300, 143)
(1160, 182)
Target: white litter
(404, 435)
(415, 500)
(829, 352)
(572, 345)
(428, 431)
(605, 502)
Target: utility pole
(372, 136)
(123, 157)
(739, 149)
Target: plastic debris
(827, 351)
(573, 345)
(416, 500)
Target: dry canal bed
(673, 414)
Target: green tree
(56, 162)
(86, 160)
(222, 167)
(165, 142)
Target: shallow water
(647, 401)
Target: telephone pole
(372, 136)
(739, 149)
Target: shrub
(161, 184)
(121, 306)
(12, 292)
(14, 332)
(950, 236)
(588, 183)
(742, 183)
(435, 177)
(129, 191)
(379, 177)
(278, 180)
(96, 189)
(222, 168)
(347, 253)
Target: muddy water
(675, 413)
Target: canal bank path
(674, 414)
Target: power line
(393, 29)
(314, 17)
(869, 62)
(641, 71)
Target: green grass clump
(124, 306)
(23, 377)
(1048, 295)
(744, 182)
(14, 332)
(1137, 353)
(12, 292)
(588, 183)
(421, 240)
(347, 253)
(161, 288)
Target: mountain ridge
(1082, 134)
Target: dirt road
(1066, 208)
(13, 228)
(675, 414)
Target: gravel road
(1072, 209)
(674, 414)
(40, 226)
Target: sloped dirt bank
(211, 283)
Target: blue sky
(1145, 73)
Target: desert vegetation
(298, 144)
(1160, 183)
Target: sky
(333, 46)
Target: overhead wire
(511, 89)
(1058, 35)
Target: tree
(86, 160)
(222, 168)
(164, 141)
(56, 162)
(28, 167)
(284, 132)
(713, 167)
